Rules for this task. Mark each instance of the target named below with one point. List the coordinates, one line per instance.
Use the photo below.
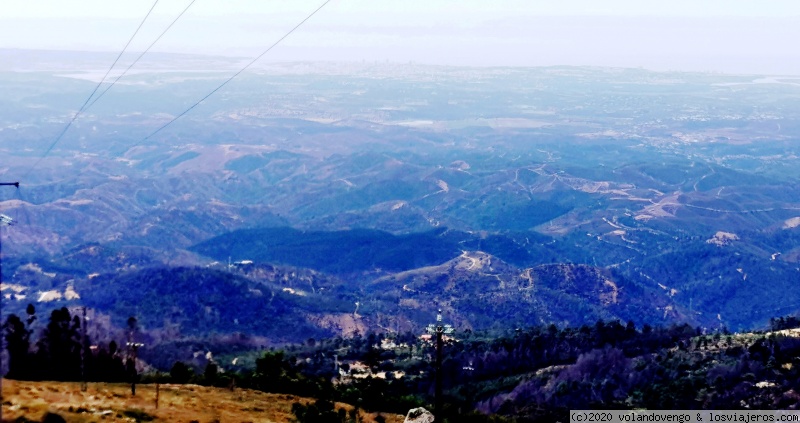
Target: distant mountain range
(364, 197)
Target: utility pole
(4, 221)
(336, 367)
(439, 330)
(130, 365)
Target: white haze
(733, 36)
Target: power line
(140, 56)
(83, 107)
(234, 75)
(8, 220)
(22, 214)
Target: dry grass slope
(105, 402)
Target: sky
(731, 36)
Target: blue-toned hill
(336, 251)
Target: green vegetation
(336, 252)
(535, 373)
(200, 301)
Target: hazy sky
(734, 36)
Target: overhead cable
(234, 75)
(85, 103)
(140, 56)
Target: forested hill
(516, 375)
(346, 251)
(288, 304)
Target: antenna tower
(439, 329)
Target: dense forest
(521, 375)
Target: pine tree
(59, 348)
(18, 344)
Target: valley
(328, 199)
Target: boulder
(419, 415)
